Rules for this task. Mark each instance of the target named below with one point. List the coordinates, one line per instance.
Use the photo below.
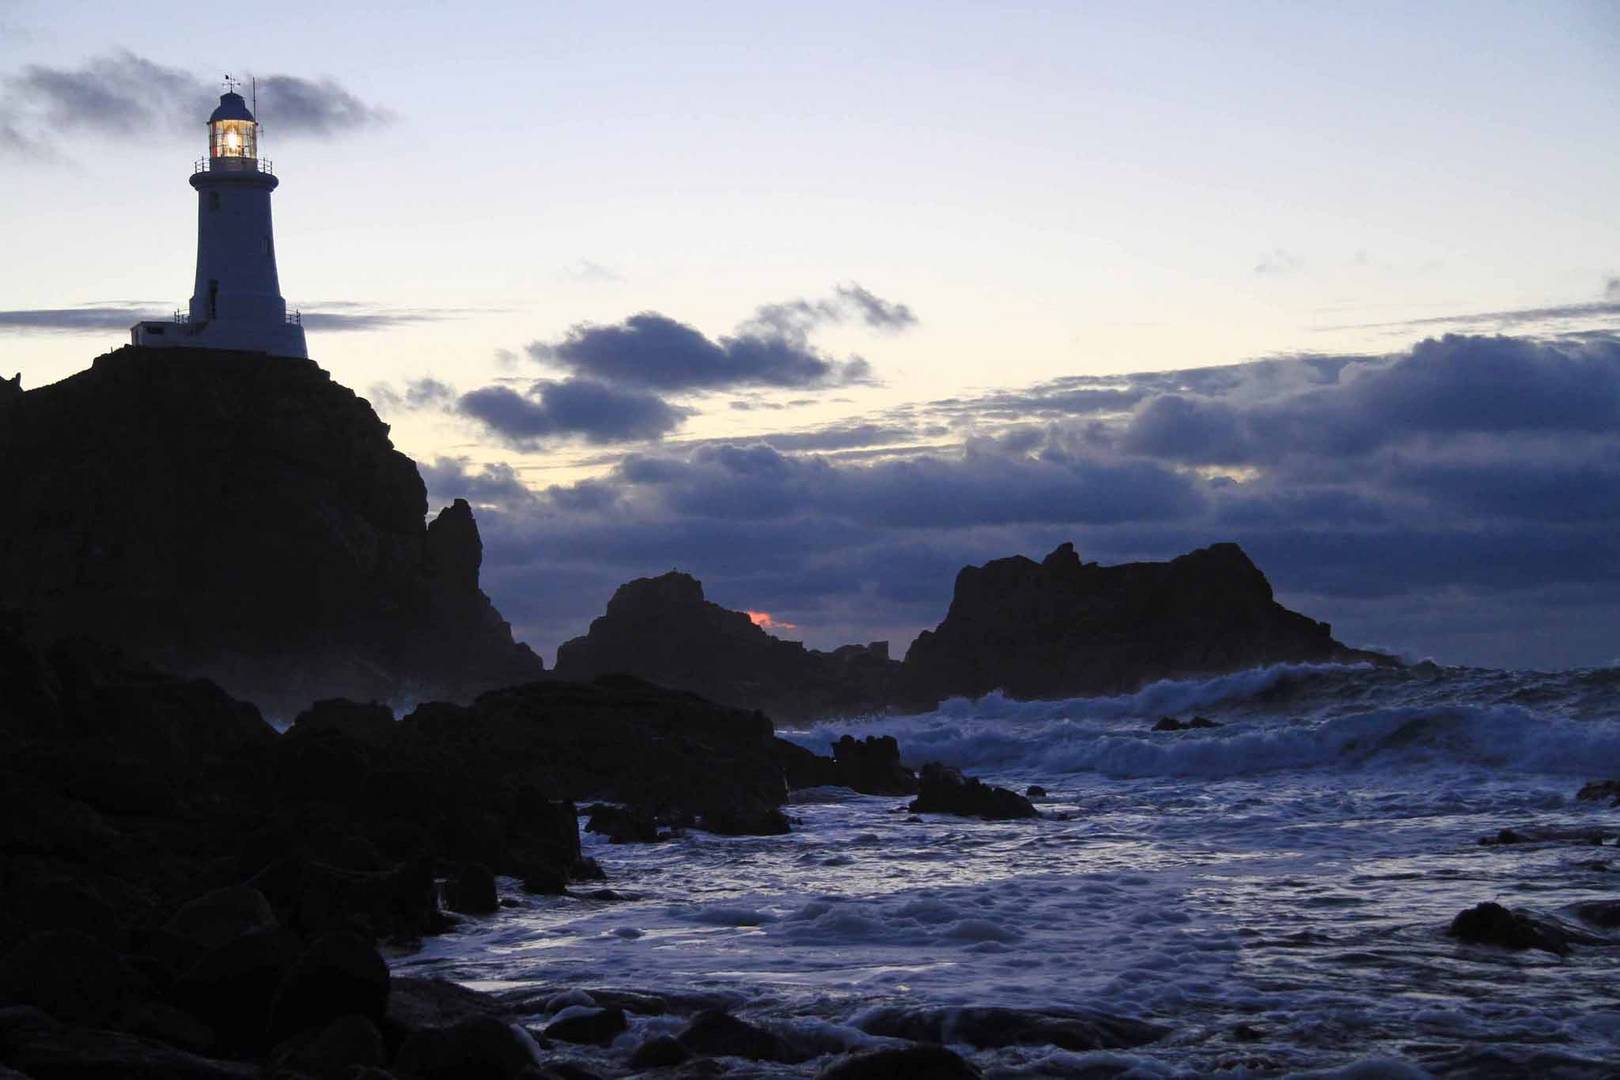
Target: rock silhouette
(663, 630)
(243, 518)
(1062, 627)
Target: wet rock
(744, 817)
(70, 975)
(944, 790)
(905, 1063)
(479, 1048)
(622, 825)
(872, 766)
(1492, 924)
(1034, 791)
(991, 1027)
(316, 897)
(718, 1033)
(1547, 836)
(598, 1026)
(1600, 791)
(221, 916)
(1604, 913)
(340, 974)
(659, 1053)
(333, 1052)
(41, 1048)
(472, 891)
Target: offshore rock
(944, 790)
(1492, 924)
(243, 518)
(989, 1027)
(1062, 627)
(663, 630)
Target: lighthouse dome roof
(231, 107)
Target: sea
(1274, 891)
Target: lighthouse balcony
(232, 164)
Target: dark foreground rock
(1062, 627)
(719, 1034)
(905, 1063)
(1170, 723)
(992, 1027)
(1493, 924)
(663, 630)
(244, 518)
(944, 790)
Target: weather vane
(231, 84)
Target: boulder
(717, 1033)
(588, 1025)
(1492, 924)
(944, 790)
(231, 988)
(70, 975)
(1170, 723)
(922, 1062)
(221, 916)
(622, 824)
(340, 974)
(335, 1051)
(472, 891)
(989, 1027)
(478, 1048)
(660, 1052)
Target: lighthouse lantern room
(236, 301)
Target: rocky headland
(243, 518)
(1050, 629)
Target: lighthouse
(236, 301)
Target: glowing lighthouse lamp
(236, 303)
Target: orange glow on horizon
(763, 620)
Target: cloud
(127, 96)
(417, 394)
(1277, 262)
(1612, 289)
(1474, 479)
(570, 408)
(795, 319)
(655, 352)
(337, 317)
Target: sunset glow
(764, 621)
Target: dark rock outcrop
(1062, 627)
(244, 518)
(944, 790)
(598, 1026)
(663, 630)
(1493, 924)
(718, 1033)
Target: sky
(822, 303)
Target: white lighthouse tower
(236, 302)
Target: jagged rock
(232, 988)
(1061, 627)
(1600, 791)
(720, 1034)
(1034, 791)
(70, 975)
(245, 518)
(872, 765)
(922, 1062)
(991, 1027)
(417, 1003)
(663, 630)
(1493, 924)
(944, 790)
(599, 1026)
